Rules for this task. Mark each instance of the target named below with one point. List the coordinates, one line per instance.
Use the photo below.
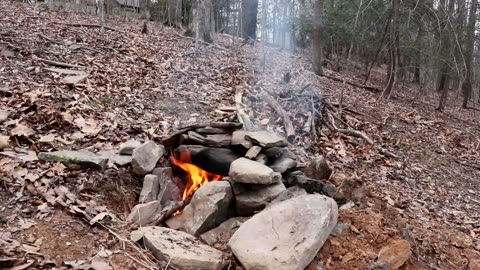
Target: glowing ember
(196, 177)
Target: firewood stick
(241, 115)
(363, 136)
(168, 211)
(58, 64)
(286, 119)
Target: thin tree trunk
(249, 19)
(470, 40)
(317, 38)
(393, 51)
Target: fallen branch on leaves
(58, 64)
(468, 165)
(358, 134)
(280, 111)
(90, 26)
(366, 87)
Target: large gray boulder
(146, 156)
(244, 170)
(182, 250)
(208, 208)
(287, 235)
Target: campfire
(195, 176)
(219, 177)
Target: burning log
(168, 211)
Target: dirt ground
(147, 86)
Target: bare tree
(249, 20)
(317, 38)
(393, 51)
(203, 24)
(470, 44)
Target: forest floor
(146, 86)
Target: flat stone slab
(74, 79)
(251, 201)
(182, 250)
(149, 189)
(83, 158)
(283, 164)
(114, 157)
(222, 234)
(266, 139)
(287, 235)
(238, 138)
(248, 171)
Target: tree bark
(393, 51)
(470, 43)
(203, 22)
(249, 19)
(317, 37)
(174, 12)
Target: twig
(90, 26)
(363, 136)
(58, 64)
(168, 211)
(286, 119)
(468, 165)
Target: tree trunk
(249, 19)
(445, 53)
(393, 51)
(174, 12)
(470, 43)
(317, 37)
(203, 22)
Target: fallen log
(286, 119)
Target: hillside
(148, 86)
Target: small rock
(347, 206)
(210, 130)
(182, 250)
(283, 164)
(253, 152)
(309, 184)
(100, 264)
(474, 265)
(395, 254)
(266, 139)
(251, 201)
(273, 152)
(83, 158)
(146, 156)
(339, 229)
(286, 236)
(207, 209)
(150, 189)
(289, 193)
(244, 170)
(238, 138)
(318, 169)
(218, 140)
(262, 159)
(3, 115)
(144, 213)
(74, 79)
(169, 186)
(222, 234)
(329, 189)
(127, 147)
(4, 142)
(115, 158)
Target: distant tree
(317, 38)
(203, 25)
(249, 19)
(470, 44)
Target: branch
(363, 136)
(58, 64)
(286, 119)
(90, 26)
(168, 211)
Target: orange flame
(196, 177)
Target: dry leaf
(88, 126)
(47, 138)
(22, 130)
(4, 142)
